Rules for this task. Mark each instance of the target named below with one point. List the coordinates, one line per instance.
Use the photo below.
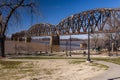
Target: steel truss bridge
(97, 21)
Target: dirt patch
(51, 70)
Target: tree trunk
(2, 44)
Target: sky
(53, 11)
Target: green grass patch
(10, 64)
(45, 57)
(90, 64)
(113, 60)
(48, 71)
(27, 70)
(99, 65)
(76, 62)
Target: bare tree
(114, 23)
(94, 39)
(11, 10)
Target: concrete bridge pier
(27, 39)
(14, 39)
(54, 40)
(19, 39)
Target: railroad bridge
(94, 21)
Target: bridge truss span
(40, 30)
(97, 21)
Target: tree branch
(8, 5)
(25, 5)
(10, 14)
(13, 8)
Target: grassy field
(10, 64)
(90, 64)
(30, 70)
(15, 70)
(47, 66)
(113, 60)
(45, 57)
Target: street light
(109, 45)
(88, 57)
(66, 47)
(70, 46)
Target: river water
(75, 45)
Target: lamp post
(88, 57)
(70, 45)
(66, 47)
(109, 45)
(46, 47)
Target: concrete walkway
(113, 73)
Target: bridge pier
(19, 39)
(14, 39)
(27, 39)
(54, 40)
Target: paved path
(113, 73)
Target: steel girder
(40, 30)
(98, 20)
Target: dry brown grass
(49, 70)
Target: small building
(83, 46)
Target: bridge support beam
(54, 40)
(19, 39)
(14, 39)
(27, 39)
